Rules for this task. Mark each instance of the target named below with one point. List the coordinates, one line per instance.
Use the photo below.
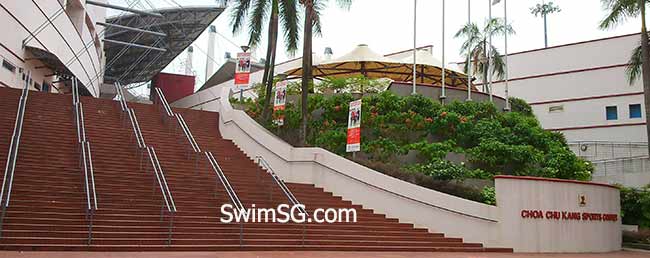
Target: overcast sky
(387, 26)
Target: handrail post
(12, 155)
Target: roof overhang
(133, 64)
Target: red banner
(354, 127)
(243, 71)
(280, 101)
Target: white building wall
(581, 78)
(62, 38)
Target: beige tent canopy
(364, 61)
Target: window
(8, 66)
(611, 113)
(554, 109)
(45, 87)
(635, 110)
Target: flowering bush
(491, 142)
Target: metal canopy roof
(133, 64)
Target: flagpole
(488, 78)
(415, 26)
(443, 82)
(505, 15)
(469, 55)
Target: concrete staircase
(47, 208)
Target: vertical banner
(280, 101)
(242, 71)
(354, 127)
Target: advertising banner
(280, 101)
(242, 71)
(354, 127)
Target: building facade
(51, 41)
(581, 89)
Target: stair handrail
(168, 199)
(12, 155)
(188, 133)
(287, 192)
(234, 199)
(85, 159)
(164, 103)
(135, 125)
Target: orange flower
(463, 119)
(337, 108)
(443, 114)
(429, 120)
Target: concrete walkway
(7, 254)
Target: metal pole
(134, 45)
(126, 9)
(415, 26)
(130, 28)
(488, 78)
(443, 82)
(469, 55)
(505, 17)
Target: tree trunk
(306, 67)
(486, 67)
(645, 52)
(269, 71)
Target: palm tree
(312, 25)
(543, 10)
(477, 46)
(276, 11)
(619, 12)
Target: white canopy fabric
(364, 61)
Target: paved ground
(3, 254)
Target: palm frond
(498, 65)
(635, 66)
(238, 15)
(290, 20)
(256, 24)
(618, 12)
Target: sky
(387, 26)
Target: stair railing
(85, 159)
(141, 145)
(168, 200)
(12, 156)
(234, 199)
(194, 146)
(285, 189)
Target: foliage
(483, 56)
(354, 84)
(635, 206)
(421, 137)
(545, 9)
(489, 195)
(520, 106)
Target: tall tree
(639, 64)
(484, 56)
(256, 12)
(312, 25)
(543, 10)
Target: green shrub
(520, 106)
(489, 195)
(635, 206)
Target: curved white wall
(494, 226)
(61, 38)
(517, 195)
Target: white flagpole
(469, 55)
(505, 15)
(489, 54)
(443, 82)
(415, 33)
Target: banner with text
(354, 127)
(242, 71)
(280, 101)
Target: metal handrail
(85, 159)
(188, 133)
(12, 155)
(168, 199)
(234, 199)
(164, 102)
(136, 129)
(287, 192)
